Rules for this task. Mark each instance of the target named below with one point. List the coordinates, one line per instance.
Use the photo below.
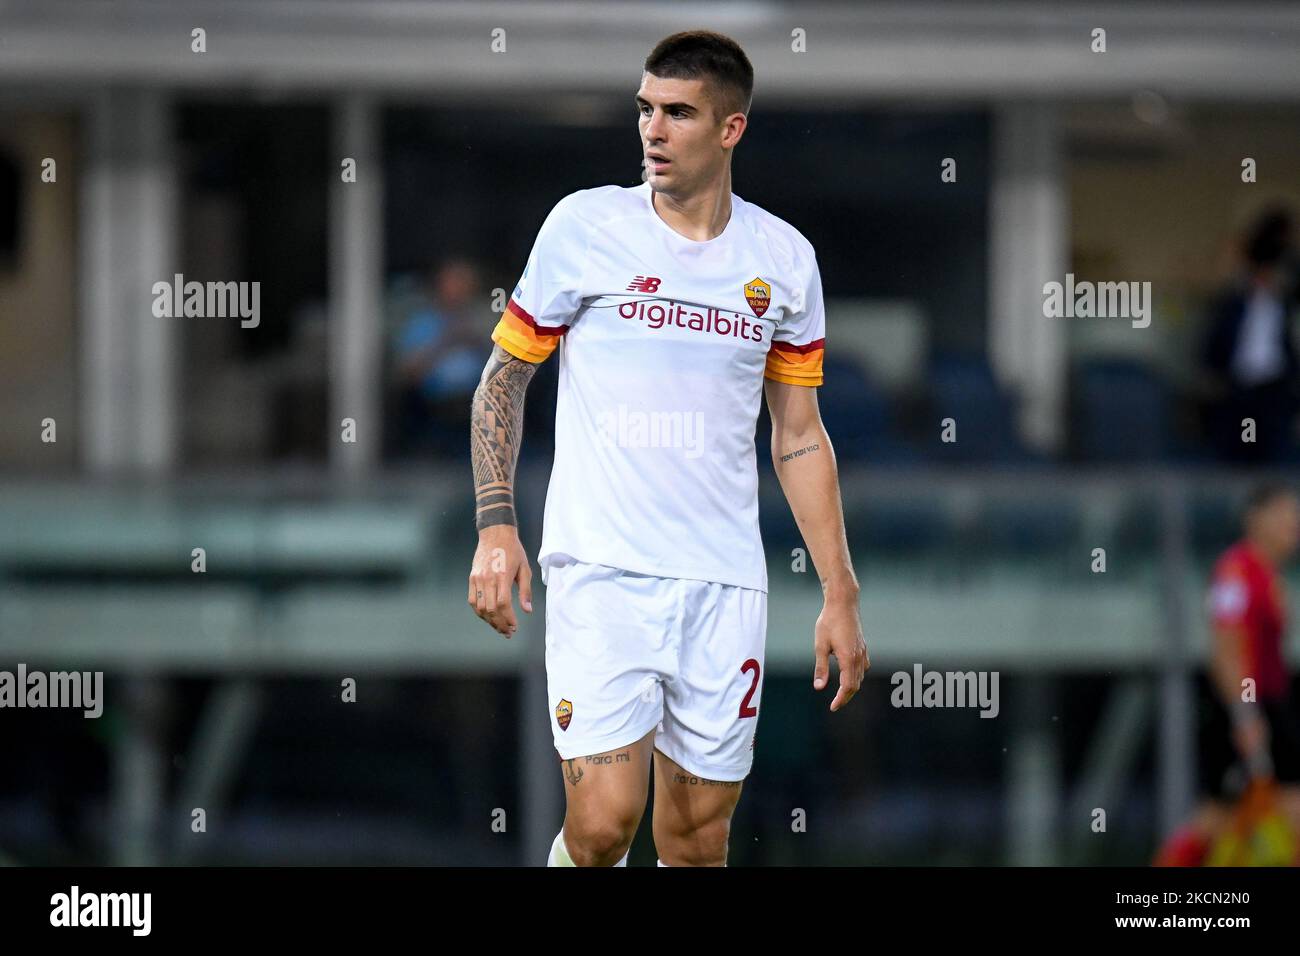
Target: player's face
(683, 143)
(1277, 526)
(1283, 522)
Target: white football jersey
(663, 344)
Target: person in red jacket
(1249, 725)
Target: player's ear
(733, 127)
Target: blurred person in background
(1250, 352)
(10, 209)
(1248, 729)
(437, 362)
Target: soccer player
(673, 306)
(1250, 728)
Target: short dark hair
(1269, 237)
(703, 54)
(1265, 493)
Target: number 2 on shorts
(745, 709)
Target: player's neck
(1261, 549)
(702, 216)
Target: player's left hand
(838, 634)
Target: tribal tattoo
(496, 429)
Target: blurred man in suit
(1250, 351)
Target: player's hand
(500, 562)
(1251, 739)
(838, 634)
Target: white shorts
(627, 653)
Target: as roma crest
(563, 714)
(759, 295)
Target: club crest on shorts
(759, 295)
(563, 714)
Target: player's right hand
(838, 634)
(1251, 739)
(499, 562)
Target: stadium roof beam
(967, 51)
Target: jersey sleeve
(549, 292)
(1229, 597)
(799, 342)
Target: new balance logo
(644, 284)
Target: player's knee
(703, 844)
(600, 842)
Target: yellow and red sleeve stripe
(796, 364)
(520, 335)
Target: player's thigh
(1284, 742)
(692, 814)
(607, 791)
(712, 702)
(607, 644)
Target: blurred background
(330, 559)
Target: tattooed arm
(496, 430)
(805, 466)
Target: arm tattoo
(801, 451)
(496, 429)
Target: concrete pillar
(128, 233)
(356, 287)
(1028, 239)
